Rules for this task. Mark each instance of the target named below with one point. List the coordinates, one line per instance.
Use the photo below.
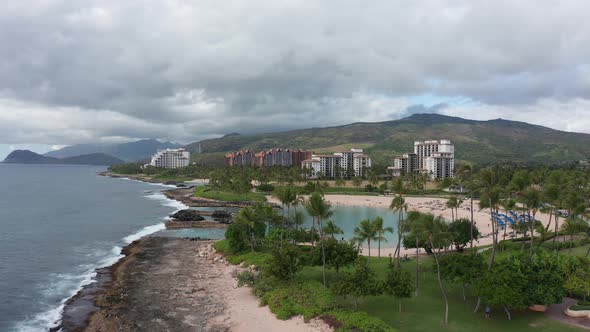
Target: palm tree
(573, 226)
(453, 203)
(298, 220)
(398, 204)
(412, 219)
(331, 229)
(434, 233)
(356, 181)
(378, 224)
(319, 209)
(288, 197)
(249, 217)
(365, 231)
(465, 176)
(490, 197)
(487, 182)
(532, 202)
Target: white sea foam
(144, 232)
(167, 201)
(150, 183)
(51, 317)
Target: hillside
(129, 152)
(483, 142)
(29, 157)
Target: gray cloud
(185, 70)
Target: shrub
(580, 307)
(354, 321)
(265, 188)
(250, 258)
(237, 236)
(263, 285)
(308, 298)
(246, 278)
(285, 262)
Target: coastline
(101, 306)
(193, 287)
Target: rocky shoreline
(162, 284)
(179, 224)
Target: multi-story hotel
(269, 158)
(436, 158)
(342, 164)
(171, 158)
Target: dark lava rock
(188, 215)
(222, 216)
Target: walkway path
(555, 311)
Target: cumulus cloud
(84, 71)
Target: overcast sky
(116, 70)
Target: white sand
(247, 316)
(436, 206)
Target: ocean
(58, 223)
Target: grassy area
(425, 312)
(576, 251)
(207, 192)
(248, 258)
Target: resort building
(240, 158)
(314, 167)
(405, 164)
(440, 165)
(436, 158)
(426, 149)
(269, 158)
(360, 163)
(340, 164)
(171, 158)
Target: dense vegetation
(482, 142)
(309, 272)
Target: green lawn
(576, 251)
(426, 312)
(207, 192)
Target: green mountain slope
(483, 142)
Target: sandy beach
(173, 284)
(436, 206)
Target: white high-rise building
(437, 158)
(343, 164)
(360, 162)
(440, 165)
(171, 158)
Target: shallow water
(348, 217)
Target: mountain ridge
(478, 141)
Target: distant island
(136, 151)
(30, 157)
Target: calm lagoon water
(348, 217)
(58, 223)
